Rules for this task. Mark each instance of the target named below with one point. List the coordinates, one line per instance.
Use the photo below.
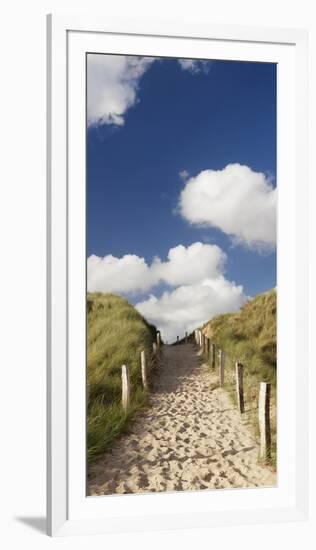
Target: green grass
(116, 335)
(249, 337)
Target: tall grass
(250, 338)
(116, 335)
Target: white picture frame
(69, 511)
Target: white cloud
(132, 274)
(188, 306)
(190, 265)
(112, 86)
(195, 66)
(110, 274)
(113, 83)
(199, 289)
(184, 174)
(237, 200)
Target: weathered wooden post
(126, 388)
(155, 357)
(186, 337)
(144, 370)
(221, 367)
(264, 421)
(158, 340)
(200, 339)
(207, 348)
(177, 339)
(213, 356)
(196, 335)
(240, 387)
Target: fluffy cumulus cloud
(131, 273)
(195, 66)
(237, 200)
(189, 265)
(128, 274)
(188, 306)
(195, 275)
(113, 82)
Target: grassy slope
(250, 338)
(117, 334)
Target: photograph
(181, 274)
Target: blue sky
(170, 123)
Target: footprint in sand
(219, 449)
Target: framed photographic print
(177, 286)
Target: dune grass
(116, 335)
(249, 337)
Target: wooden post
(207, 348)
(177, 339)
(240, 387)
(186, 337)
(213, 356)
(200, 339)
(158, 340)
(264, 420)
(155, 356)
(221, 367)
(196, 335)
(126, 388)
(144, 370)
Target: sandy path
(191, 437)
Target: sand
(190, 438)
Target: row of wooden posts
(186, 338)
(208, 348)
(209, 351)
(126, 384)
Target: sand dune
(190, 438)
